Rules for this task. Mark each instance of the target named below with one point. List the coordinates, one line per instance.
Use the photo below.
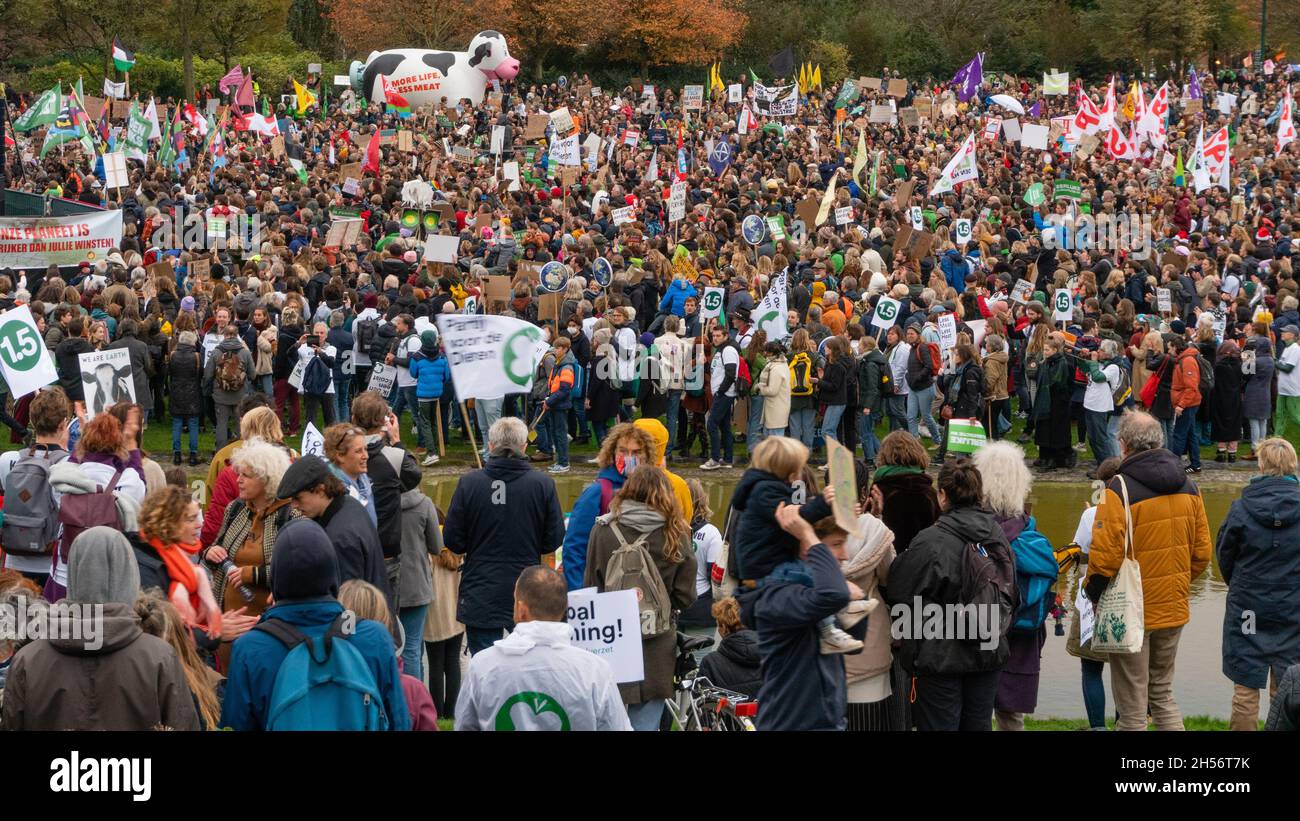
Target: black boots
(176, 458)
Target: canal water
(1199, 684)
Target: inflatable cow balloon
(426, 77)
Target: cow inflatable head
(489, 54)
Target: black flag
(782, 63)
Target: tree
(87, 27)
(186, 23)
(538, 31)
(234, 26)
(365, 26)
(677, 32)
(309, 25)
(1159, 32)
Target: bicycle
(697, 705)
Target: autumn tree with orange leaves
(676, 32)
(365, 25)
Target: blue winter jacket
(955, 269)
(431, 375)
(581, 521)
(674, 301)
(256, 658)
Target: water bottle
(244, 592)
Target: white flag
(961, 168)
(155, 133)
(490, 356)
(115, 90)
(1200, 174)
(770, 314)
(1285, 125)
(652, 172)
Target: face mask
(573, 329)
(625, 464)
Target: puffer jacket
(995, 376)
(674, 301)
(1171, 537)
(736, 664)
(1186, 389)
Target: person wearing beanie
(112, 676)
(305, 582)
(432, 376)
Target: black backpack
(988, 578)
(382, 343)
(365, 332)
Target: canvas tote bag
(1121, 620)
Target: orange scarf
(179, 569)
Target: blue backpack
(317, 378)
(336, 692)
(1036, 574)
(579, 377)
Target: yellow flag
(817, 78)
(860, 161)
(803, 80)
(305, 98)
(1130, 102)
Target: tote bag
(1121, 618)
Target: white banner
(608, 625)
(26, 361)
(567, 151)
(490, 356)
(37, 242)
(770, 314)
(106, 376)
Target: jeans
(754, 433)
(896, 410)
(1187, 436)
(802, 424)
(674, 406)
(488, 412)
(645, 717)
(773, 432)
(265, 384)
(1258, 431)
(920, 403)
(412, 619)
(343, 398)
(481, 638)
(557, 420)
(1094, 692)
(424, 423)
(177, 421)
(719, 427)
(403, 398)
(444, 673)
(831, 423)
(1103, 446)
(956, 702)
(1167, 427)
(867, 435)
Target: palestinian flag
(122, 58)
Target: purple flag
(1194, 86)
(969, 78)
(1036, 110)
(232, 80)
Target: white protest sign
(342, 80)
(712, 304)
(623, 215)
(916, 217)
(567, 151)
(1021, 290)
(886, 313)
(608, 625)
(677, 202)
(962, 231)
(115, 175)
(26, 361)
(1226, 102)
(471, 305)
(1033, 135)
(382, 379)
(107, 378)
(1062, 305)
(312, 441)
(977, 330)
(498, 139)
(843, 216)
(490, 356)
(439, 248)
(1164, 300)
(947, 332)
(1011, 130)
(734, 92)
(693, 98)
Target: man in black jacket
(503, 519)
(318, 494)
(392, 471)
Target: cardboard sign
(923, 105)
(909, 117)
(1088, 143)
(352, 169)
(869, 83)
(1173, 258)
(405, 140)
(807, 209)
(536, 127)
(496, 290)
(897, 88)
(903, 193)
(843, 478)
(624, 215)
(881, 114)
(548, 307)
(200, 267)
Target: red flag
(391, 97)
(372, 154)
(244, 96)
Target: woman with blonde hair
(160, 617)
(368, 602)
(170, 521)
(646, 510)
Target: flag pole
(469, 428)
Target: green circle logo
(712, 300)
(512, 357)
(770, 316)
(20, 348)
(887, 310)
(1062, 301)
(539, 703)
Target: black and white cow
(426, 77)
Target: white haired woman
(248, 530)
(1006, 485)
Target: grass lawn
(1200, 723)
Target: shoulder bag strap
(1129, 548)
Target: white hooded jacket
(534, 679)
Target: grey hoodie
(102, 568)
(421, 538)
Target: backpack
(366, 331)
(382, 343)
(933, 363)
(801, 375)
(79, 512)
(744, 382)
(988, 578)
(316, 379)
(1207, 376)
(230, 376)
(337, 691)
(1036, 574)
(31, 520)
(1033, 361)
(632, 568)
(1122, 392)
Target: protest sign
(917, 217)
(536, 127)
(1062, 306)
(1011, 130)
(965, 435)
(844, 216)
(106, 376)
(776, 227)
(607, 625)
(843, 477)
(693, 98)
(1022, 290)
(897, 88)
(440, 248)
(25, 360)
(562, 121)
(881, 114)
(200, 267)
(1164, 300)
(624, 215)
(711, 306)
(909, 117)
(947, 331)
(312, 441)
(490, 356)
(734, 92)
(38, 242)
(1056, 83)
(382, 379)
(962, 231)
(677, 202)
(886, 313)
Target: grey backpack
(632, 568)
(31, 518)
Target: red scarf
(179, 569)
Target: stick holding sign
(843, 477)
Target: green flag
(875, 173)
(1180, 176)
(1034, 195)
(136, 142)
(42, 112)
(754, 77)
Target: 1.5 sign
(23, 356)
